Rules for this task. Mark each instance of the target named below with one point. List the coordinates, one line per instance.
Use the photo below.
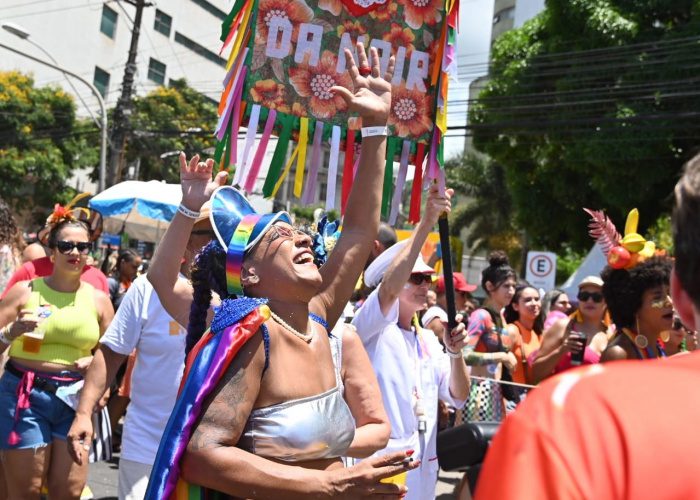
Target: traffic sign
(541, 269)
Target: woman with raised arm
(262, 413)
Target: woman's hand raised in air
(371, 95)
(196, 182)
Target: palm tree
(483, 205)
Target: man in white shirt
(411, 367)
(141, 323)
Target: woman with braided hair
(271, 399)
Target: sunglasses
(596, 296)
(677, 324)
(285, 232)
(66, 247)
(419, 279)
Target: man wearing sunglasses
(143, 325)
(620, 430)
(43, 266)
(412, 369)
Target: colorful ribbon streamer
(333, 168)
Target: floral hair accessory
(327, 234)
(623, 252)
(67, 212)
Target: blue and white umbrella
(143, 210)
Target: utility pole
(122, 111)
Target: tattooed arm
(213, 461)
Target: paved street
(103, 481)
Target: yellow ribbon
(287, 167)
(301, 161)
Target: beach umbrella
(140, 209)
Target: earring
(253, 279)
(640, 340)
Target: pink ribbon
(257, 161)
(236, 119)
(333, 168)
(234, 99)
(310, 189)
(249, 141)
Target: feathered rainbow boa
(235, 322)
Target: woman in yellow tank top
(50, 325)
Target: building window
(156, 71)
(108, 26)
(101, 81)
(504, 14)
(202, 51)
(163, 23)
(212, 9)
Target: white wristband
(190, 214)
(3, 337)
(372, 131)
(453, 355)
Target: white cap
(375, 271)
(591, 280)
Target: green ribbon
(391, 144)
(278, 158)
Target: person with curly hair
(271, 398)
(488, 346)
(617, 430)
(50, 325)
(11, 244)
(640, 306)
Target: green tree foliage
(169, 119)
(482, 205)
(41, 143)
(593, 103)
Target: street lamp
(103, 139)
(22, 33)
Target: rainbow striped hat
(238, 227)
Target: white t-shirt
(407, 364)
(432, 313)
(141, 323)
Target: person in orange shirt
(524, 319)
(603, 431)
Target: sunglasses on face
(596, 296)
(66, 247)
(285, 232)
(419, 279)
(677, 324)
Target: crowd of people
(249, 366)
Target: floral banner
(298, 55)
(287, 54)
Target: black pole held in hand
(444, 229)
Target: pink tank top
(590, 357)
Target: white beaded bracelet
(453, 355)
(190, 214)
